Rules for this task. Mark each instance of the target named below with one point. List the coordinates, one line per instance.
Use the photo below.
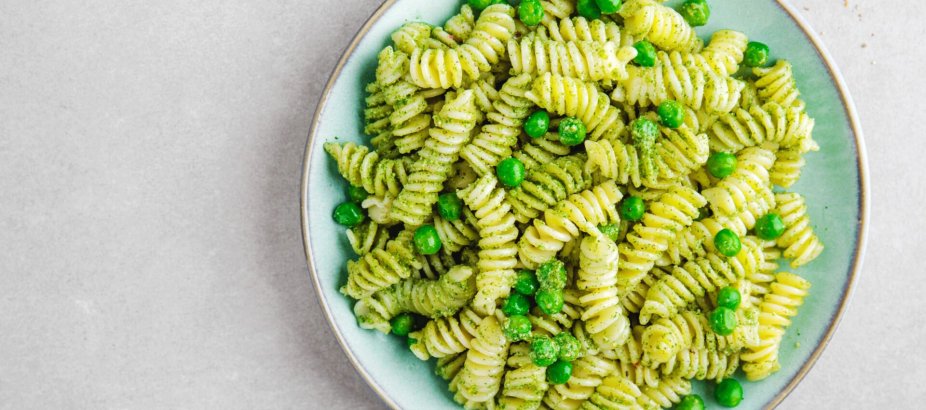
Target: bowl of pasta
(592, 204)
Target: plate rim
(864, 200)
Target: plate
(834, 183)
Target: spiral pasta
(497, 249)
(665, 394)
(380, 268)
(787, 168)
(776, 310)
(725, 51)
(696, 277)
(363, 168)
(557, 9)
(604, 318)
(661, 25)
(525, 383)
(582, 212)
(583, 60)
(453, 125)
(702, 364)
(587, 374)
(548, 184)
(777, 84)
(434, 298)
(458, 234)
(411, 36)
(446, 336)
(448, 367)
(476, 384)
(629, 358)
(799, 241)
(677, 154)
(614, 392)
(698, 239)
(667, 336)
(541, 151)
(580, 29)
(674, 211)
(366, 237)
(576, 98)
(686, 78)
(747, 193)
(494, 141)
(445, 68)
(790, 128)
(461, 25)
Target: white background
(150, 251)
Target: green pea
(756, 54)
(723, 321)
(608, 6)
(729, 393)
(695, 12)
(349, 214)
(518, 327)
(729, 297)
(543, 351)
(550, 301)
(426, 239)
(356, 194)
(402, 324)
(721, 164)
(646, 54)
(510, 172)
(727, 243)
(480, 5)
(530, 12)
(569, 347)
(552, 274)
(671, 113)
(537, 124)
(449, 206)
(691, 402)
(571, 131)
(588, 9)
(526, 283)
(632, 208)
(516, 304)
(612, 231)
(559, 372)
(770, 227)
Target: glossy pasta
(450, 116)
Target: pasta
(604, 319)
(480, 378)
(542, 266)
(686, 78)
(497, 249)
(779, 306)
(582, 212)
(435, 298)
(445, 68)
(799, 242)
(661, 25)
(453, 125)
(583, 60)
(576, 98)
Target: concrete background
(151, 255)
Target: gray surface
(149, 173)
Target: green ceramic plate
(834, 182)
